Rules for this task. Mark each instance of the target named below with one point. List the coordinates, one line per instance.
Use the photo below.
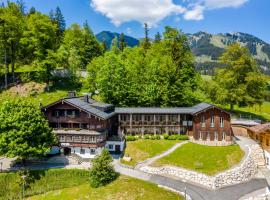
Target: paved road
(197, 192)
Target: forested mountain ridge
(207, 47)
(107, 37)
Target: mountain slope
(208, 47)
(108, 36)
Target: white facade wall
(88, 152)
(110, 145)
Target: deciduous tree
(24, 132)
(240, 82)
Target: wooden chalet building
(261, 134)
(85, 126)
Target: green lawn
(124, 188)
(140, 150)
(205, 159)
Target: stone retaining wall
(241, 173)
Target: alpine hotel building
(85, 126)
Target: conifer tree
(146, 41)
(157, 37)
(102, 171)
(32, 10)
(122, 43)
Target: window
(110, 146)
(92, 151)
(224, 136)
(68, 138)
(267, 142)
(202, 121)
(207, 136)
(82, 151)
(267, 161)
(221, 122)
(62, 138)
(212, 122)
(200, 135)
(216, 136)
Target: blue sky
(213, 16)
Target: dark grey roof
(200, 107)
(88, 107)
(152, 110)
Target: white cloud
(128, 30)
(196, 13)
(153, 11)
(150, 11)
(213, 4)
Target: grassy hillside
(36, 93)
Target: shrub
(182, 137)
(172, 137)
(130, 138)
(146, 136)
(102, 171)
(137, 137)
(158, 137)
(165, 136)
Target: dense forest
(158, 72)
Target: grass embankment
(44, 181)
(65, 184)
(123, 188)
(205, 159)
(141, 150)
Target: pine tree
(102, 171)
(122, 43)
(51, 15)
(32, 11)
(61, 24)
(157, 37)
(146, 42)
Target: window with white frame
(200, 135)
(110, 146)
(221, 122)
(212, 121)
(224, 136)
(202, 121)
(216, 136)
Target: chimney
(86, 97)
(71, 94)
